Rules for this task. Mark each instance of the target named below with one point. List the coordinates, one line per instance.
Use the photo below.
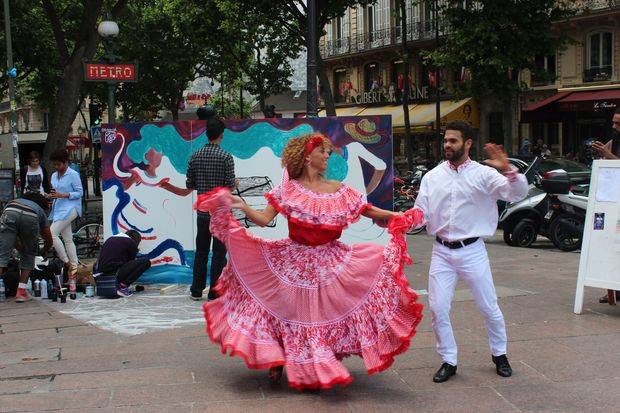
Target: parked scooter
(552, 208)
(567, 211)
(406, 191)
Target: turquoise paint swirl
(242, 145)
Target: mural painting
(144, 166)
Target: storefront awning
(551, 109)
(422, 117)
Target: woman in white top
(34, 177)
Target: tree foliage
(497, 39)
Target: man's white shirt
(461, 203)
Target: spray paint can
(72, 289)
(89, 291)
(2, 291)
(50, 289)
(43, 286)
(37, 288)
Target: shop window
(599, 55)
(373, 80)
(342, 86)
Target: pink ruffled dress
(307, 301)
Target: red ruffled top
(317, 218)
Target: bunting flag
(465, 74)
(432, 79)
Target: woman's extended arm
(378, 213)
(260, 218)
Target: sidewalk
(562, 362)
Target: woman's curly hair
(294, 154)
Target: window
(46, 121)
(599, 55)
(342, 32)
(373, 80)
(378, 16)
(546, 64)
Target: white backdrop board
(599, 265)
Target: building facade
(362, 54)
(578, 106)
(33, 126)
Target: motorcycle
(406, 191)
(553, 208)
(567, 211)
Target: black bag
(106, 286)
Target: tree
(496, 40)
(292, 14)
(261, 50)
(173, 45)
(74, 29)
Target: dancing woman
(308, 301)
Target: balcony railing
(416, 31)
(598, 74)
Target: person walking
(210, 167)
(67, 194)
(459, 198)
(305, 302)
(21, 223)
(118, 257)
(34, 177)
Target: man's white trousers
(471, 264)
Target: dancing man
(459, 198)
(307, 301)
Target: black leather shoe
(444, 373)
(502, 366)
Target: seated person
(118, 257)
(22, 221)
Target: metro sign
(105, 72)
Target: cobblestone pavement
(562, 361)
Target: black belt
(456, 244)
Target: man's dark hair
(38, 199)
(215, 128)
(467, 132)
(60, 155)
(134, 235)
(205, 112)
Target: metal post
(111, 85)
(312, 103)
(438, 85)
(12, 99)
(241, 100)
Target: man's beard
(456, 154)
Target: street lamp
(108, 30)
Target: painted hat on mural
(365, 131)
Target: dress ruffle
(328, 211)
(283, 303)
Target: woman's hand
(58, 195)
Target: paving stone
(122, 378)
(55, 400)
(29, 356)
(23, 386)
